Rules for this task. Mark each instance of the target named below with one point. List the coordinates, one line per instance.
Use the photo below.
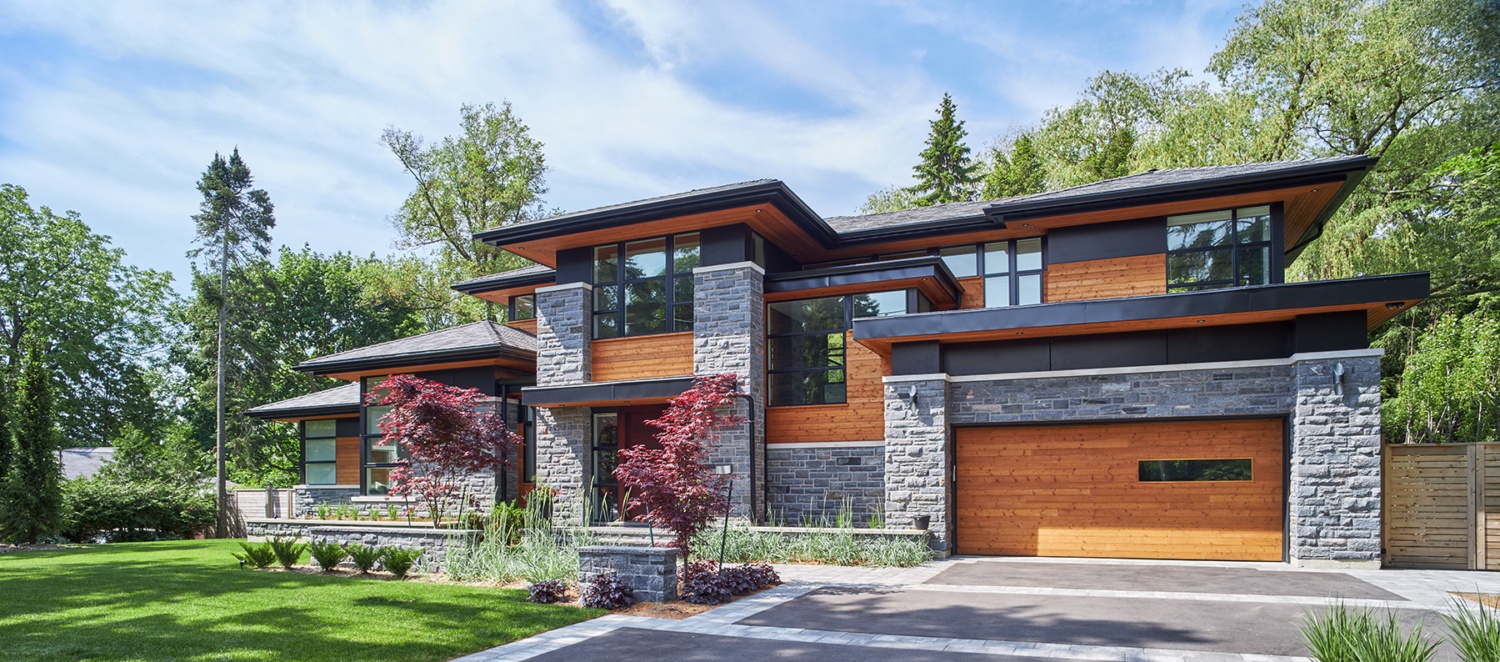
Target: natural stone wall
(306, 499)
(808, 486)
(729, 337)
(1242, 391)
(562, 447)
(280, 528)
(435, 543)
(564, 345)
(916, 455)
(651, 572)
(1335, 469)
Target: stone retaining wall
(434, 542)
(651, 572)
(808, 486)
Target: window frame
(366, 437)
(912, 297)
(510, 313)
(1012, 274)
(668, 279)
(302, 432)
(1275, 259)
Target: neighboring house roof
(342, 399)
(475, 340)
(535, 274)
(84, 462)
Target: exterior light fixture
(1338, 378)
(1394, 305)
(723, 469)
(911, 395)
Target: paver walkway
(1014, 610)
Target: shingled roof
(536, 274)
(479, 339)
(337, 400)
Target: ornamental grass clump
(399, 561)
(606, 591)
(257, 556)
(1474, 631)
(328, 555)
(364, 558)
(287, 551)
(1341, 634)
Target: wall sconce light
(723, 469)
(1338, 378)
(911, 395)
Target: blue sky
(114, 109)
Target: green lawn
(189, 600)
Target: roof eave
(538, 279)
(415, 359)
(303, 412)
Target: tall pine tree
(946, 173)
(6, 443)
(233, 227)
(31, 496)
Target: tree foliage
(1450, 388)
(447, 434)
(676, 483)
(1013, 170)
(31, 496)
(946, 172)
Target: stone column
(917, 447)
(1334, 492)
(729, 323)
(564, 357)
(650, 572)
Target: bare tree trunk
(220, 525)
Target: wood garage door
(1082, 490)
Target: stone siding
(917, 465)
(435, 543)
(259, 529)
(562, 451)
(808, 486)
(1335, 470)
(306, 499)
(729, 337)
(564, 339)
(650, 572)
(1245, 391)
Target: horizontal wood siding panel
(644, 357)
(1074, 490)
(860, 418)
(346, 460)
(1140, 275)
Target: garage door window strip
(1183, 471)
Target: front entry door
(624, 428)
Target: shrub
(547, 591)
(363, 558)
(1340, 634)
(1474, 631)
(287, 550)
(606, 591)
(328, 555)
(120, 510)
(256, 556)
(399, 561)
(704, 584)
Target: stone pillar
(917, 447)
(1334, 495)
(564, 357)
(562, 453)
(650, 572)
(729, 337)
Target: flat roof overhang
(927, 274)
(294, 414)
(1381, 297)
(611, 394)
(355, 369)
(500, 290)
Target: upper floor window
(806, 343)
(522, 307)
(644, 287)
(1218, 249)
(1012, 272)
(319, 452)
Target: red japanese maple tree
(447, 433)
(676, 483)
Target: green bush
(1341, 634)
(256, 555)
(121, 510)
(1474, 631)
(287, 550)
(399, 561)
(328, 555)
(363, 558)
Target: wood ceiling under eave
(765, 219)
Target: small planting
(392, 513)
(1474, 631)
(702, 582)
(328, 555)
(606, 591)
(325, 511)
(399, 561)
(256, 555)
(287, 550)
(364, 558)
(547, 591)
(1341, 634)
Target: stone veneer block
(562, 437)
(916, 455)
(434, 543)
(651, 572)
(807, 485)
(564, 339)
(729, 337)
(1334, 496)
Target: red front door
(624, 428)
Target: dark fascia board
(1313, 173)
(1315, 230)
(414, 359)
(304, 412)
(772, 193)
(868, 272)
(525, 280)
(940, 227)
(635, 389)
(1371, 289)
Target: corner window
(522, 307)
(806, 344)
(319, 452)
(963, 261)
(1012, 272)
(379, 455)
(644, 287)
(1218, 249)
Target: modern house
(1117, 369)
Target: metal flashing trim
(1130, 370)
(930, 377)
(772, 446)
(637, 389)
(1373, 352)
(726, 267)
(564, 286)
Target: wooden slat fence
(1442, 506)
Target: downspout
(754, 517)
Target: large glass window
(806, 344)
(319, 452)
(1217, 249)
(604, 455)
(963, 261)
(379, 454)
(644, 287)
(1012, 273)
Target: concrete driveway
(1016, 610)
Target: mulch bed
(1486, 599)
(7, 548)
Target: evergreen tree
(31, 496)
(1018, 173)
(946, 173)
(233, 228)
(6, 443)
